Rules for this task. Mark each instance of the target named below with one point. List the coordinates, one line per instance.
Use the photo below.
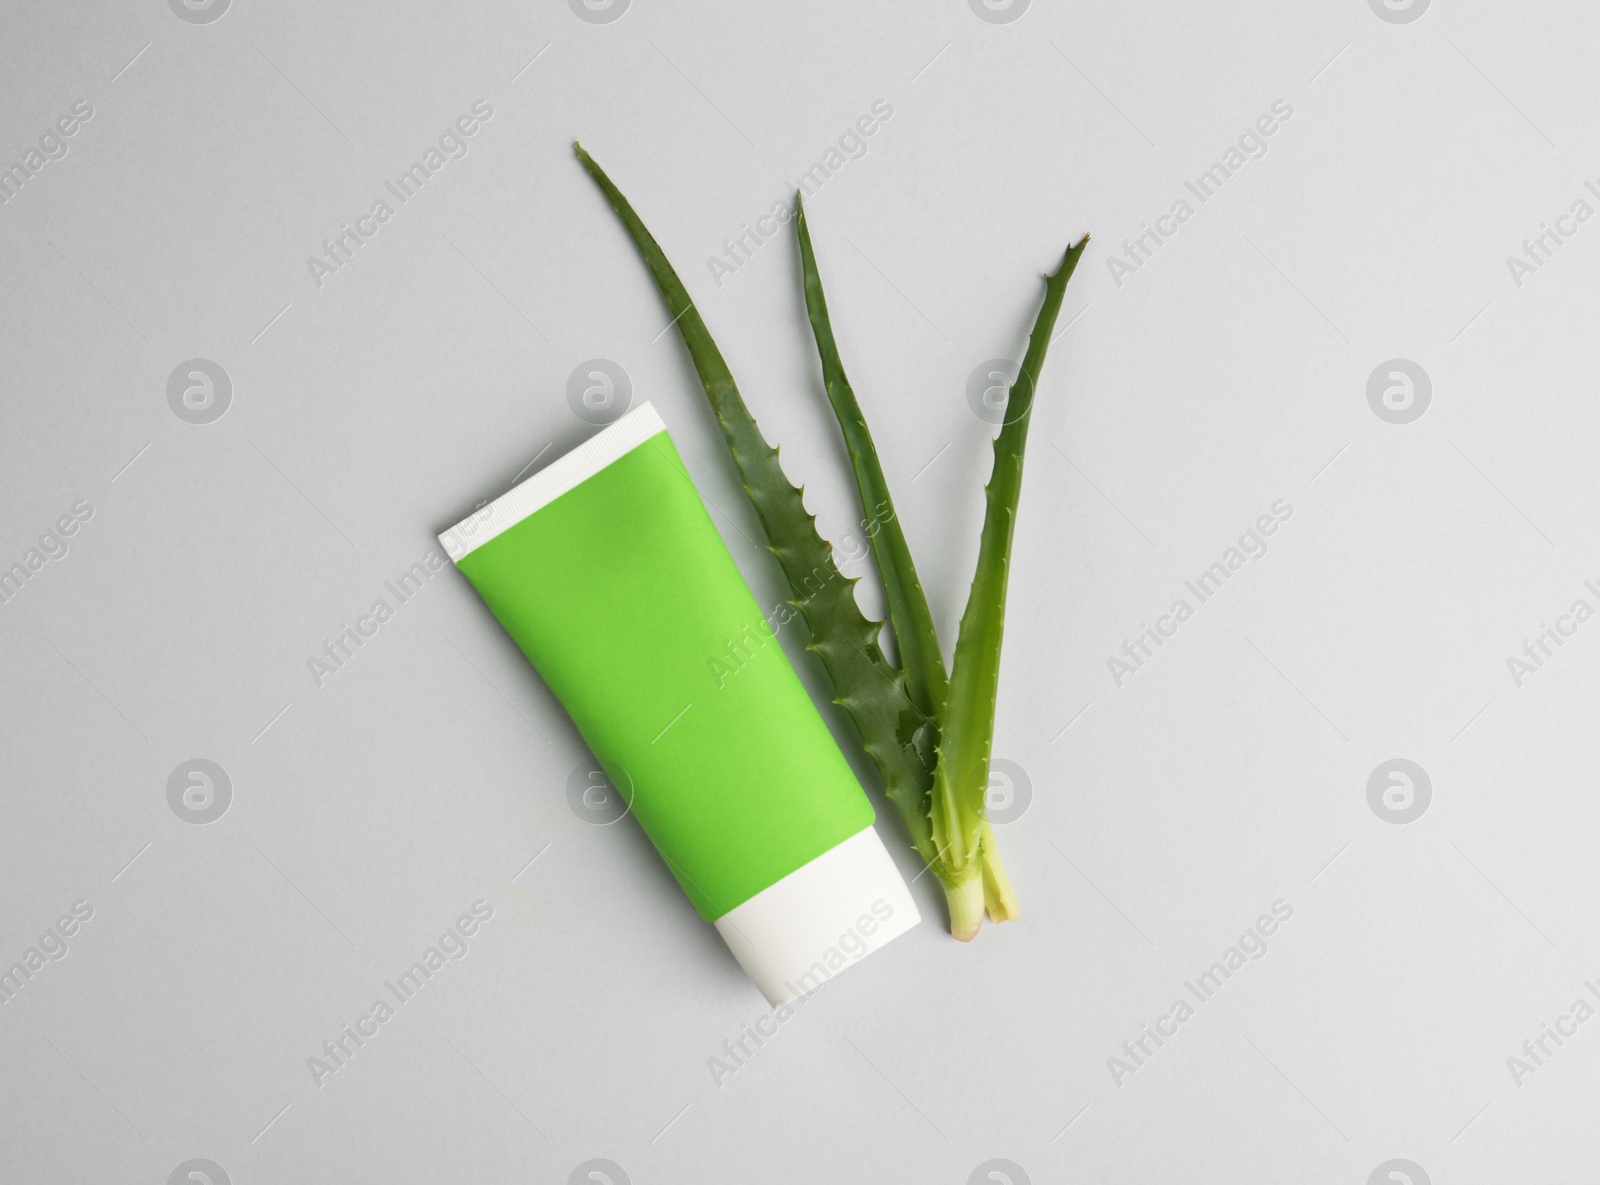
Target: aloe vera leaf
(914, 635)
(962, 777)
(865, 684)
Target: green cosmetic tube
(605, 568)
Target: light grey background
(1167, 813)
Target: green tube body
(608, 573)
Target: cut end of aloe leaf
(964, 899)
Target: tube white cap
(827, 914)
